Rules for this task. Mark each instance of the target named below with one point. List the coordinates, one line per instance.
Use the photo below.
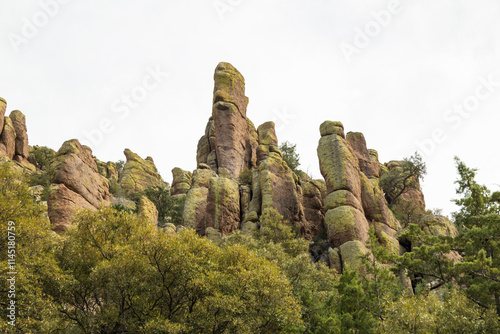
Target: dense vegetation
(113, 273)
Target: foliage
(116, 189)
(428, 313)
(313, 283)
(41, 157)
(290, 155)
(170, 208)
(362, 296)
(129, 277)
(403, 177)
(35, 264)
(245, 176)
(119, 166)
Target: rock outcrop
(14, 136)
(76, 184)
(139, 174)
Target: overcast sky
(409, 75)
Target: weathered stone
(249, 228)
(203, 166)
(201, 177)
(312, 200)
(345, 223)
(414, 195)
(76, 169)
(147, 211)
(251, 216)
(19, 123)
(182, 181)
(375, 162)
(230, 87)
(3, 108)
(340, 198)
(139, 174)
(267, 134)
(334, 259)
(126, 203)
(213, 235)
(332, 128)
(375, 205)
(245, 197)
(223, 208)
(351, 253)
(8, 139)
(195, 209)
(358, 144)
(338, 165)
(169, 228)
(37, 191)
(63, 204)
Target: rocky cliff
(240, 174)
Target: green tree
(290, 155)
(403, 177)
(170, 208)
(27, 231)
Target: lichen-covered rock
(121, 201)
(139, 174)
(195, 209)
(338, 165)
(77, 184)
(375, 205)
(169, 228)
(351, 253)
(334, 259)
(8, 139)
(75, 167)
(3, 108)
(313, 192)
(414, 195)
(63, 204)
(332, 128)
(439, 226)
(358, 143)
(201, 177)
(223, 208)
(344, 224)
(340, 198)
(19, 123)
(182, 181)
(107, 169)
(147, 211)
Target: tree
(26, 233)
(399, 179)
(290, 155)
(170, 208)
(127, 276)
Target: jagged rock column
(347, 227)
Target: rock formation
(139, 174)
(14, 137)
(76, 184)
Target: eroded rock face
(182, 181)
(223, 208)
(139, 174)
(229, 140)
(3, 108)
(147, 211)
(344, 219)
(19, 123)
(77, 184)
(8, 139)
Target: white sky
(66, 70)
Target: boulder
(3, 108)
(182, 181)
(358, 143)
(344, 224)
(8, 139)
(313, 192)
(223, 207)
(147, 211)
(351, 253)
(339, 165)
(76, 184)
(63, 204)
(139, 174)
(19, 123)
(195, 209)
